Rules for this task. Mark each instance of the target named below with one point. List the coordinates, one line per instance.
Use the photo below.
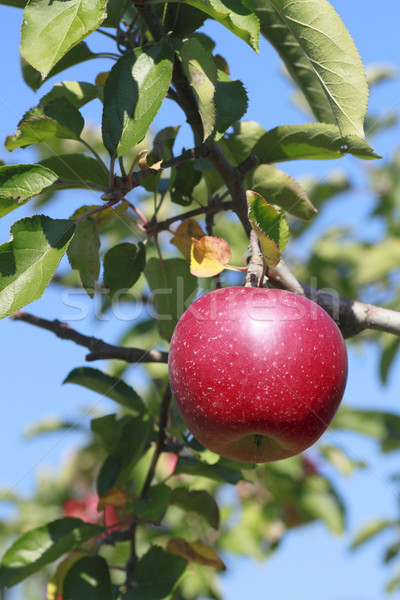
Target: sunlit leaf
(75, 56)
(184, 235)
(42, 546)
(317, 141)
(321, 57)
(282, 190)
(134, 91)
(50, 30)
(371, 530)
(78, 93)
(29, 260)
(58, 119)
(107, 385)
(234, 15)
(270, 226)
(20, 183)
(209, 256)
(200, 69)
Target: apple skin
(257, 374)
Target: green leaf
(153, 507)
(239, 145)
(78, 168)
(320, 191)
(109, 429)
(200, 69)
(391, 345)
(75, 56)
(58, 119)
(321, 57)
(370, 530)
(235, 16)
(78, 93)
(282, 190)
(108, 386)
(123, 265)
(169, 571)
(134, 434)
(217, 472)
(184, 183)
(230, 103)
(173, 288)
(83, 254)
(88, 578)
(134, 91)
(270, 226)
(317, 141)
(20, 183)
(50, 30)
(319, 500)
(383, 426)
(28, 261)
(116, 10)
(181, 20)
(42, 546)
(198, 501)
(15, 3)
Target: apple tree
(143, 510)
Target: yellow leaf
(184, 235)
(198, 552)
(102, 78)
(115, 497)
(209, 256)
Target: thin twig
(99, 350)
(162, 424)
(202, 210)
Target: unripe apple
(257, 374)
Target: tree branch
(162, 424)
(202, 210)
(99, 350)
(351, 316)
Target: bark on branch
(99, 350)
(351, 316)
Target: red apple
(257, 374)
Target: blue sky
(311, 564)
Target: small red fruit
(257, 374)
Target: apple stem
(256, 267)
